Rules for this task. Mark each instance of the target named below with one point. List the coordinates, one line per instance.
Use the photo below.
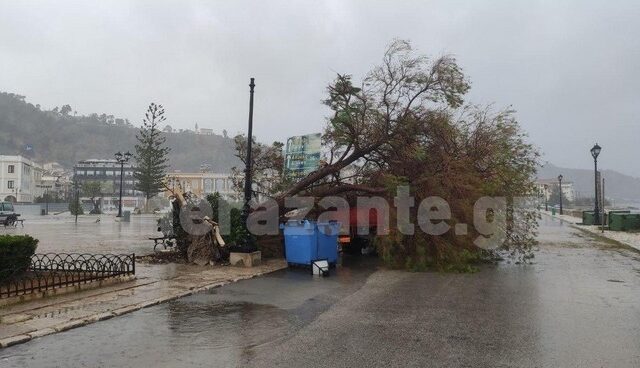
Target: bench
(163, 240)
(12, 221)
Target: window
(10, 184)
(12, 169)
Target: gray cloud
(569, 68)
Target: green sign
(302, 155)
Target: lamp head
(595, 151)
(118, 155)
(560, 177)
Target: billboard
(302, 155)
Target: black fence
(55, 270)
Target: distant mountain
(617, 185)
(58, 135)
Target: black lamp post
(76, 186)
(595, 152)
(121, 159)
(560, 185)
(546, 203)
(248, 245)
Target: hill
(617, 185)
(58, 135)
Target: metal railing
(55, 270)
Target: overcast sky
(570, 68)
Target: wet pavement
(60, 234)
(577, 305)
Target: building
(545, 186)
(205, 131)
(203, 183)
(56, 180)
(107, 172)
(20, 179)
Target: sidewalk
(630, 239)
(154, 284)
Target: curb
(22, 338)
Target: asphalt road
(577, 305)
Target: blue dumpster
(328, 241)
(300, 242)
(306, 241)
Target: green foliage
(220, 206)
(93, 190)
(15, 254)
(408, 125)
(76, 208)
(267, 167)
(151, 153)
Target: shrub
(76, 207)
(15, 254)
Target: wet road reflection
(578, 304)
(218, 328)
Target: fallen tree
(198, 238)
(406, 124)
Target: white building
(202, 183)
(205, 131)
(20, 179)
(546, 187)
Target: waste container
(588, 217)
(307, 241)
(328, 241)
(617, 221)
(126, 216)
(43, 212)
(300, 242)
(553, 211)
(632, 221)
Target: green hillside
(59, 135)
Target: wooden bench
(162, 240)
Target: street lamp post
(76, 186)
(595, 151)
(248, 245)
(546, 202)
(560, 185)
(122, 159)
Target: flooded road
(92, 233)
(577, 305)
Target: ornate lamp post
(560, 185)
(595, 152)
(122, 159)
(248, 245)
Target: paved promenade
(631, 239)
(154, 284)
